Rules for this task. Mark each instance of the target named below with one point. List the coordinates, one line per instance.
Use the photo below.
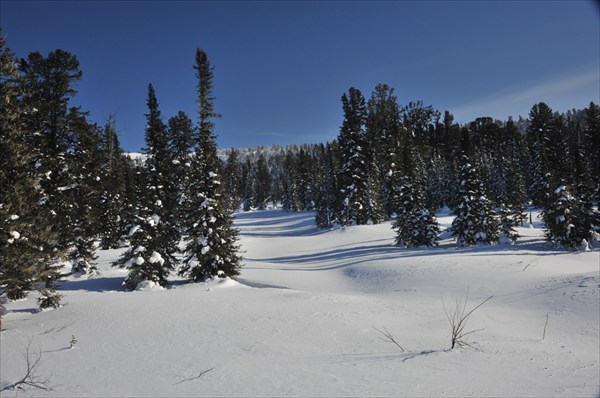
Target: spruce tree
(354, 165)
(567, 219)
(233, 181)
(511, 198)
(85, 193)
(385, 133)
(154, 238)
(415, 225)
(474, 222)
(262, 183)
(180, 144)
(327, 195)
(113, 181)
(541, 121)
(591, 146)
(212, 248)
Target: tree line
(403, 163)
(68, 188)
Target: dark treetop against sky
(282, 66)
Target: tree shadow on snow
(96, 284)
(401, 357)
(269, 223)
(322, 260)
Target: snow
(156, 258)
(148, 286)
(134, 229)
(154, 220)
(300, 319)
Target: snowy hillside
(301, 319)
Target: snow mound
(148, 286)
(221, 283)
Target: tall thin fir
(212, 248)
(354, 163)
(154, 239)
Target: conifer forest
(68, 189)
(129, 253)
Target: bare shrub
(458, 317)
(388, 338)
(31, 377)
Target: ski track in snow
(300, 320)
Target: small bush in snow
(458, 317)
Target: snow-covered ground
(300, 322)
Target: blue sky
(282, 66)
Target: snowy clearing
(301, 319)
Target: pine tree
(385, 134)
(154, 238)
(539, 132)
(248, 186)
(415, 225)
(180, 144)
(565, 219)
(262, 183)
(26, 237)
(353, 177)
(232, 181)
(327, 195)
(84, 193)
(48, 86)
(569, 214)
(591, 145)
(474, 222)
(212, 249)
(113, 180)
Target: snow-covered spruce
(212, 248)
(568, 220)
(415, 225)
(154, 238)
(474, 222)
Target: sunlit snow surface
(300, 319)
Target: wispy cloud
(270, 134)
(519, 99)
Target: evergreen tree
(154, 238)
(248, 186)
(113, 182)
(421, 121)
(385, 134)
(591, 145)
(232, 181)
(474, 222)
(415, 225)
(26, 237)
(327, 195)
(353, 177)
(212, 249)
(180, 143)
(84, 193)
(262, 183)
(567, 220)
(47, 84)
(539, 132)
